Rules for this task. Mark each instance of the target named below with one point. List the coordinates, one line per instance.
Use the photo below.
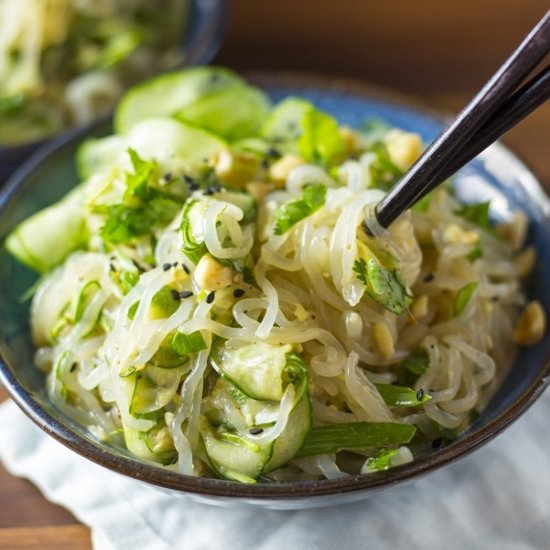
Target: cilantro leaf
(320, 141)
(143, 207)
(125, 222)
(463, 297)
(382, 285)
(476, 213)
(312, 199)
(383, 172)
(191, 248)
(414, 366)
(137, 182)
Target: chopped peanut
(211, 275)
(352, 140)
(531, 325)
(236, 168)
(515, 231)
(383, 338)
(419, 308)
(280, 169)
(454, 234)
(403, 147)
(525, 261)
(259, 189)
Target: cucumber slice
(99, 155)
(46, 238)
(285, 121)
(232, 456)
(256, 369)
(294, 435)
(170, 93)
(235, 113)
(164, 139)
(154, 388)
(152, 446)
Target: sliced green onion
(357, 435)
(399, 396)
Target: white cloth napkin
(498, 498)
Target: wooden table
(437, 50)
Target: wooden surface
(439, 51)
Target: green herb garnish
(312, 199)
(382, 285)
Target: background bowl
(497, 175)
(202, 39)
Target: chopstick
(451, 148)
(516, 108)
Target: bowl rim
(204, 34)
(275, 491)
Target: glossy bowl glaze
(497, 175)
(202, 40)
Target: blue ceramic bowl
(497, 175)
(202, 40)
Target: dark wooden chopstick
(448, 147)
(516, 108)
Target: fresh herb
(381, 461)
(187, 344)
(414, 366)
(463, 297)
(356, 435)
(383, 172)
(382, 285)
(476, 213)
(143, 208)
(312, 199)
(320, 141)
(191, 248)
(132, 310)
(244, 266)
(475, 253)
(400, 396)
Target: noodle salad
(212, 300)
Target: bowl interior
(202, 39)
(497, 175)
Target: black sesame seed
(73, 367)
(419, 394)
(175, 294)
(166, 266)
(273, 153)
(210, 297)
(256, 431)
(238, 292)
(188, 179)
(175, 264)
(167, 176)
(436, 443)
(112, 267)
(429, 277)
(186, 294)
(211, 189)
(185, 268)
